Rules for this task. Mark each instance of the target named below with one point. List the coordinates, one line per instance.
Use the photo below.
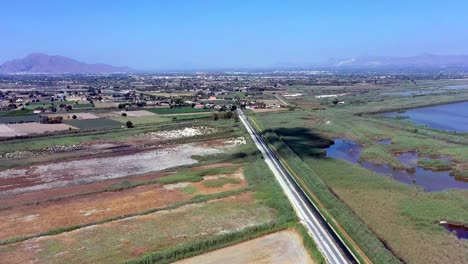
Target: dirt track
(280, 247)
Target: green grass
(99, 123)
(189, 189)
(141, 120)
(361, 234)
(404, 217)
(19, 112)
(436, 165)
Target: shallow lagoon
(429, 180)
(451, 117)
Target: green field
(99, 123)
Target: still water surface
(429, 180)
(451, 117)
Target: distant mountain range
(420, 61)
(43, 63)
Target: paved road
(331, 247)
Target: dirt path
(280, 247)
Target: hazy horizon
(156, 35)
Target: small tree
(124, 114)
(129, 124)
(74, 117)
(215, 117)
(228, 115)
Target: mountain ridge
(56, 64)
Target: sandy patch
(175, 186)
(280, 247)
(6, 131)
(38, 128)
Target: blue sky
(188, 34)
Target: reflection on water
(459, 230)
(452, 117)
(430, 180)
(385, 142)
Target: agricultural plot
(112, 197)
(182, 110)
(79, 116)
(136, 113)
(132, 198)
(99, 123)
(131, 237)
(12, 130)
(281, 247)
(6, 131)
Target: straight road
(331, 246)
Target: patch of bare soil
(77, 172)
(280, 247)
(29, 220)
(84, 209)
(59, 193)
(128, 238)
(201, 188)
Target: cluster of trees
(129, 105)
(51, 120)
(226, 115)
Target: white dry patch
(234, 142)
(94, 211)
(180, 133)
(29, 218)
(239, 176)
(21, 154)
(77, 172)
(330, 95)
(292, 95)
(175, 186)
